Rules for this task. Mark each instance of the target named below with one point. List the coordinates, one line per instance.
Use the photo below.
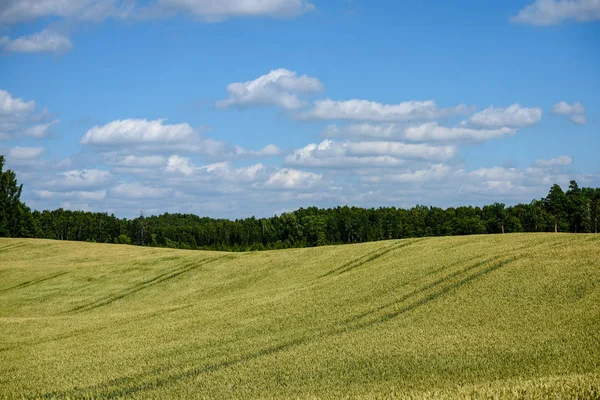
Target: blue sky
(239, 108)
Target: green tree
(14, 215)
(555, 203)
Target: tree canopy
(577, 210)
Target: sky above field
(235, 108)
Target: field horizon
(483, 316)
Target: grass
(505, 316)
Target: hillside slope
(503, 315)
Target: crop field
(494, 316)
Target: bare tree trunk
(556, 224)
(502, 228)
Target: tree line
(577, 210)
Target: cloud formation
(364, 110)
(553, 12)
(560, 161)
(18, 117)
(214, 11)
(46, 41)
(76, 11)
(514, 116)
(575, 112)
(332, 154)
(279, 87)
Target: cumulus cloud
(575, 111)
(79, 180)
(332, 154)
(365, 130)
(10, 105)
(432, 131)
(136, 190)
(267, 151)
(17, 11)
(46, 41)
(213, 11)
(552, 12)
(40, 131)
(25, 153)
(156, 136)
(14, 11)
(18, 117)
(287, 178)
(181, 165)
(96, 195)
(364, 110)
(132, 161)
(137, 131)
(514, 116)
(561, 161)
(434, 172)
(425, 132)
(279, 87)
(225, 172)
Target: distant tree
(575, 207)
(122, 239)
(14, 215)
(495, 216)
(555, 203)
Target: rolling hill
(508, 316)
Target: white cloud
(332, 154)
(365, 130)
(561, 161)
(401, 150)
(496, 174)
(132, 161)
(40, 131)
(364, 110)
(13, 11)
(575, 112)
(137, 131)
(434, 172)
(136, 190)
(180, 164)
(211, 10)
(514, 116)
(25, 153)
(46, 41)
(224, 172)
(10, 105)
(429, 131)
(432, 131)
(79, 179)
(277, 88)
(551, 12)
(267, 151)
(578, 119)
(96, 195)
(287, 178)
(155, 136)
(18, 117)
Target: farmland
(510, 316)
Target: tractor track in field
(34, 281)
(367, 258)
(145, 284)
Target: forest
(576, 211)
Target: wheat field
(494, 316)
